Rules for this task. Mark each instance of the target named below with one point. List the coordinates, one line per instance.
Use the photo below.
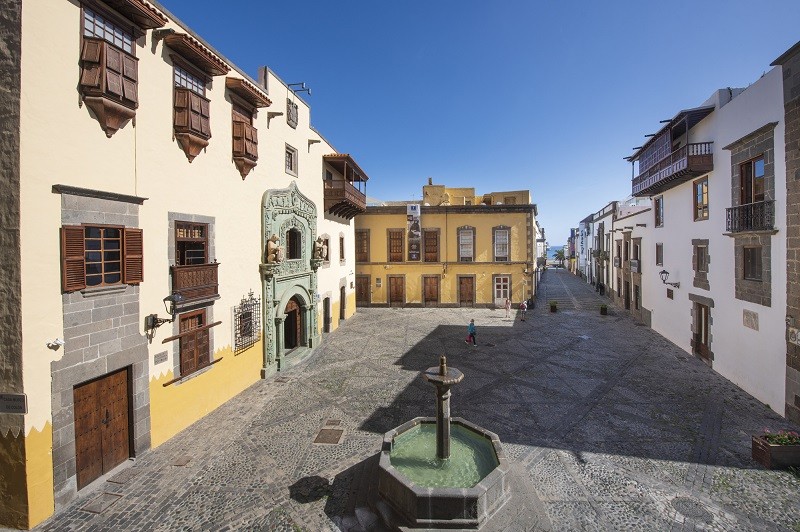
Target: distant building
(455, 249)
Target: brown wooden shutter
(205, 114)
(133, 246)
(114, 71)
(251, 141)
(130, 77)
(73, 269)
(182, 107)
(238, 138)
(90, 56)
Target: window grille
(247, 323)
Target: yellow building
(172, 231)
(457, 249)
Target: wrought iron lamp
(664, 274)
(171, 302)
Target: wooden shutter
(238, 138)
(182, 107)
(205, 114)
(73, 270)
(133, 246)
(90, 56)
(114, 71)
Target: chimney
(430, 181)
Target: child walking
(471, 333)
(508, 308)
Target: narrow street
(607, 427)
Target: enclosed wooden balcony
(683, 164)
(196, 282)
(346, 193)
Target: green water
(471, 457)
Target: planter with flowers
(777, 450)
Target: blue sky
(499, 95)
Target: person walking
(523, 307)
(508, 308)
(471, 333)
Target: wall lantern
(171, 302)
(664, 274)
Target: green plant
(783, 437)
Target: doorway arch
(293, 325)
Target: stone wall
(101, 331)
(13, 503)
(790, 63)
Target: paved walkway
(607, 427)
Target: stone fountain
(442, 472)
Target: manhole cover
(333, 422)
(331, 436)
(99, 504)
(692, 509)
(181, 461)
(282, 379)
(124, 476)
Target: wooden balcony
(759, 216)
(685, 163)
(343, 199)
(195, 282)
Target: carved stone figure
(274, 250)
(320, 249)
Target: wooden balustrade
(196, 281)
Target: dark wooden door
(701, 331)
(430, 291)
(194, 343)
(342, 303)
(397, 291)
(362, 290)
(466, 291)
(291, 325)
(102, 437)
(326, 315)
(627, 295)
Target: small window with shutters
(192, 111)
(93, 256)
(245, 139)
(109, 70)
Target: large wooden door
(102, 438)
(292, 325)
(701, 331)
(362, 290)
(430, 291)
(466, 291)
(397, 291)
(502, 290)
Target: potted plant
(553, 305)
(603, 309)
(777, 450)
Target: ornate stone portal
(293, 278)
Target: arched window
(293, 244)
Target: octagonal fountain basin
(462, 491)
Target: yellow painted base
(26, 478)
(176, 406)
(39, 466)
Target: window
(752, 181)
(502, 291)
(658, 209)
(510, 200)
(466, 244)
(627, 251)
(752, 263)
(701, 258)
(245, 139)
(701, 199)
(326, 246)
(396, 237)
(247, 323)
(294, 244)
(109, 71)
(291, 160)
(362, 246)
(192, 111)
(659, 254)
(191, 243)
(194, 342)
(341, 249)
(100, 256)
(501, 246)
(636, 252)
(431, 243)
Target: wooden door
(701, 331)
(362, 290)
(466, 291)
(430, 291)
(342, 303)
(102, 427)
(194, 342)
(326, 315)
(627, 295)
(502, 290)
(397, 291)
(292, 325)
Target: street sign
(13, 403)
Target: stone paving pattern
(607, 426)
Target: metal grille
(247, 323)
(759, 216)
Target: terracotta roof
(248, 91)
(141, 12)
(197, 53)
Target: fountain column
(443, 378)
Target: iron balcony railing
(758, 216)
(688, 160)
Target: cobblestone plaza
(607, 426)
